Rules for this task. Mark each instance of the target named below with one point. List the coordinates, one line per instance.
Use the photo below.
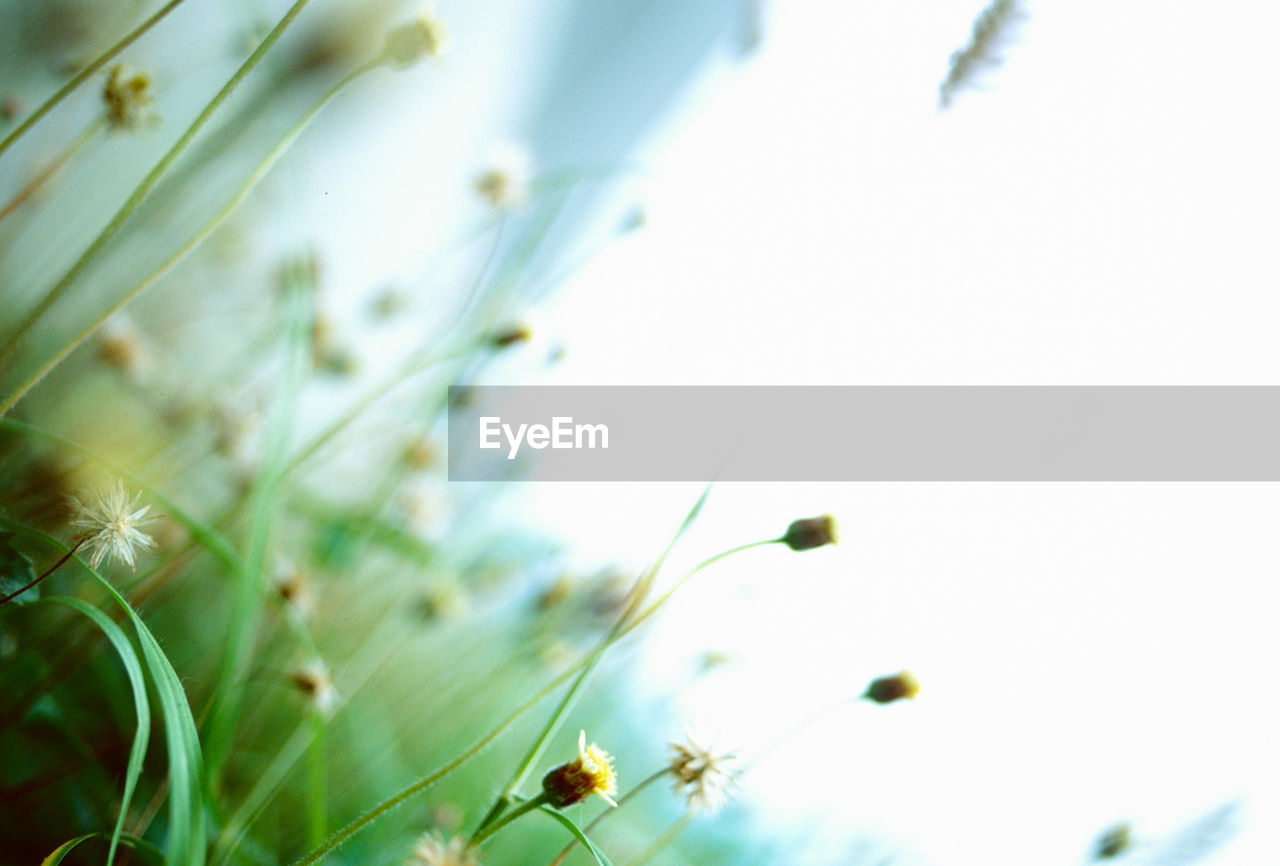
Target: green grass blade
(151, 854)
(142, 706)
(579, 835)
(186, 842)
(203, 534)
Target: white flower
(312, 679)
(111, 525)
(431, 850)
(505, 183)
(701, 775)
(423, 37)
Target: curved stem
(148, 183)
(49, 170)
(194, 241)
(526, 806)
(622, 801)
(343, 835)
(80, 77)
(70, 553)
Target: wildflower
(886, 690)
(312, 679)
(703, 776)
(1113, 843)
(294, 588)
(431, 850)
(510, 336)
(111, 525)
(990, 31)
(810, 532)
(120, 345)
(423, 37)
(505, 184)
(127, 94)
(591, 773)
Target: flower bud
(409, 43)
(591, 773)
(886, 690)
(810, 532)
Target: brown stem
(70, 553)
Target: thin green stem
(668, 836)
(622, 801)
(80, 77)
(49, 170)
(194, 241)
(148, 183)
(526, 806)
(317, 785)
(207, 536)
(246, 602)
(417, 787)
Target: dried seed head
(510, 336)
(110, 522)
(810, 532)
(312, 679)
(504, 185)
(120, 346)
(1113, 843)
(591, 773)
(432, 850)
(886, 690)
(127, 94)
(704, 777)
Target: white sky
(1100, 211)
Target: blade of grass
(579, 835)
(153, 854)
(84, 74)
(186, 843)
(636, 596)
(246, 606)
(192, 242)
(202, 533)
(141, 705)
(144, 187)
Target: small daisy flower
(111, 525)
(591, 773)
(701, 775)
(505, 183)
(431, 850)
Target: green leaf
(186, 842)
(142, 707)
(16, 571)
(579, 835)
(150, 853)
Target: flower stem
(148, 183)
(80, 77)
(622, 801)
(49, 170)
(194, 241)
(526, 806)
(70, 553)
